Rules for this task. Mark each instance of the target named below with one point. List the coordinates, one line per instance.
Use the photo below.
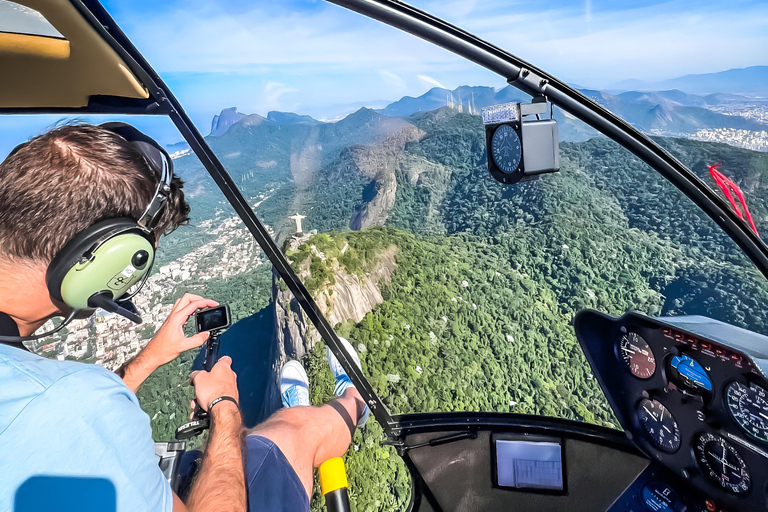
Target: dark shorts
(273, 485)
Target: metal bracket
(531, 83)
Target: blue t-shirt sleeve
(100, 432)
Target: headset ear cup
(110, 256)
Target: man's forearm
(220, 483)
(136, 370)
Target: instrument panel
(656, 490)
(691, 394)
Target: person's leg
(308, 436)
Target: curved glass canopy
(457, 292)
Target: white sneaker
(342, 380)
(294, 384)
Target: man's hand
(220, 381)
(168, 343)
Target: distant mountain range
(670, 112)
(463, 98)
(291, 118)
(674, 111)
(230, 116)
(752, 80)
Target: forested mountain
(488, 277)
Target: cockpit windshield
(363, 150)
(18, 19)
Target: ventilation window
(19, 19)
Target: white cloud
(456, 8)
(654, 41)
(430, 80)
(272, 93)
(319, 55)
(392, 79)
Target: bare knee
(306, 433)
(283, 423)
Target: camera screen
(215, 318)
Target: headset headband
(158, 160)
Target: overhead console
(692, 394)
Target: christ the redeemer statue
(298, 218)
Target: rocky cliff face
(351, 297)
(223, 121)
(379, 164)
(376, 211)
(229, 117)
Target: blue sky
(316, 58)
(320, 59)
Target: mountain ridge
(749, 80)
(668, 111)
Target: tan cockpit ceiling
(49, 72)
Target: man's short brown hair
(61, 182)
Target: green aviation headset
(100, 265)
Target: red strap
(728, 186)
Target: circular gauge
(749, 407)
(506, 149)
(722, 463)
(637, 355)
(659, 425)
(658, 497)
(689, 376)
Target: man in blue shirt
(78, 429)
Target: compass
(506, 148)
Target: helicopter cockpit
(560, 309)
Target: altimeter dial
(659, 425)
(637, 355)
(722, 463)
(749, 408)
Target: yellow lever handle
(333, 475)
(334, 483)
